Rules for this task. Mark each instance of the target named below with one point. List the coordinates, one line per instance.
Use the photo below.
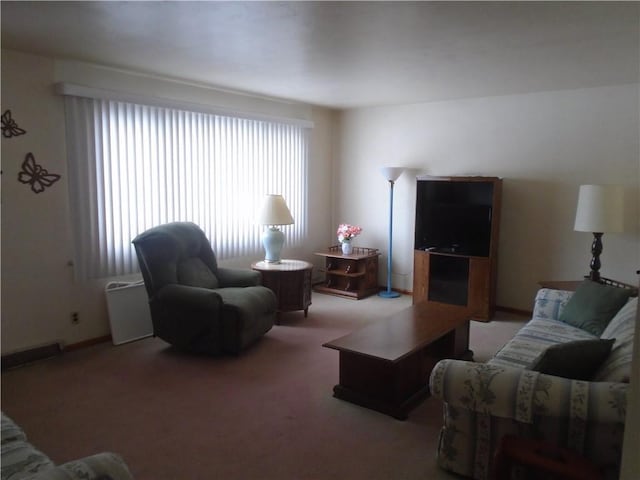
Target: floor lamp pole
(391, 174)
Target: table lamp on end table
(274, 213)
(600, 209)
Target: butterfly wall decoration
(36, 176)
(9, 126)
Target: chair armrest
(522, 395)
(238, 277)
(191, 298)
(101, 466)
(188, 316)
(549, 303)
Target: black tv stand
(450, 271)
(454, 250)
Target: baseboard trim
(380, 287)
(87, 343)
(399, 290)
(517, 311)
(30, 355)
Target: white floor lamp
(391, 174)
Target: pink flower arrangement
(347, 232)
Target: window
(134, 166)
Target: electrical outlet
(75, 318)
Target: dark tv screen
(454, 217)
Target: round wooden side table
(290, 280)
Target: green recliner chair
(196, 305)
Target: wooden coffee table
(385, 366)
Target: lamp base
(596, 250)
(388, 294)
(272, 240)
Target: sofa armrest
(549, 303)
(523, 395)
(101, 466)
(238, 277)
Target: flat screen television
(454, 217)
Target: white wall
(544, 145)
(38, 291)
(36, 280)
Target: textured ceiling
(344, 54)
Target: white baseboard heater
(129, 314)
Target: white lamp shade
(275, 211)
(600, 209)
(391, 173)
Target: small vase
(347, 248)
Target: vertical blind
(134, 166)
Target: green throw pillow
(593, 305)
(578, 360)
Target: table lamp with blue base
(274, 213)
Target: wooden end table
(547, 459)
(386, 365)
(569, 285)
(572, 285)
(290, 280)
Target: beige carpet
(267, 414)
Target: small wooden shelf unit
(353, 276)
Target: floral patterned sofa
(484, 402)
(21, 461)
